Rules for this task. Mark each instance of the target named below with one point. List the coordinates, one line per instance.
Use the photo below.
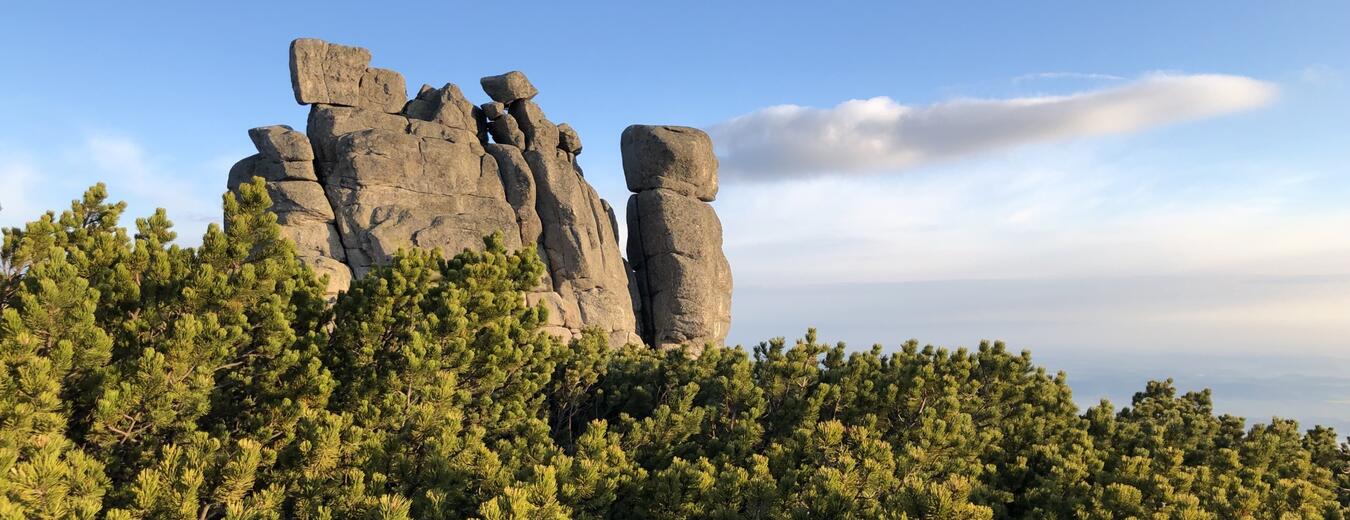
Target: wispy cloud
(148, 182)
(1319, 74)
(1066, 75)
(189, 190)
(880, 134)
(1070, 211)
(19, 177)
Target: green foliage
(139, 379)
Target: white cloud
(18, 178)
(879, 134)
(1066, 75)
(111, 153)
(147, 182)
(189, 190)
(1039, 213)
(1077, 248)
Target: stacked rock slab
(381, 172)
(285, 160)
(674, 236)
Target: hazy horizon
(1110, 342)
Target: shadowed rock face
(378, 172)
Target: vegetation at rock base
(140, 379)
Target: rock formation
(379, 172)
(285, 160)
(674, 236)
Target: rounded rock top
(508, 88)
(677, 158)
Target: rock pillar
(674, 236)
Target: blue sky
(1176, 192)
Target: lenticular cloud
(879, 134)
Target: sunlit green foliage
(139, 379)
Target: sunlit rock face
(376, 172)
(674, 236)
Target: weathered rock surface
(506, 130)
(568, 139)
(393, 190)
(331, 74)
(379, 172)
(509, 87)
(518, 182)
(677, 158)
(540, 133)
(285, 161)
(674, 237)
(493, 110)
(281, 143)
(327, 123)
(258, 165)
(580, 245)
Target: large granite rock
(677, 158)
(327, 123)
(506, 130)
(393, 190)
(540, 133)
(518, 182)
(259, 165)
(493, 110)
(378, 172)
(578, 239)
(285, 161)
(281, 143)
(674, 237)
(331, 74)
(509, 87)
(568, 139)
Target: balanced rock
(508, 88)
(326, 73)
(384, 90)
(674, 238)
(677, 158)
